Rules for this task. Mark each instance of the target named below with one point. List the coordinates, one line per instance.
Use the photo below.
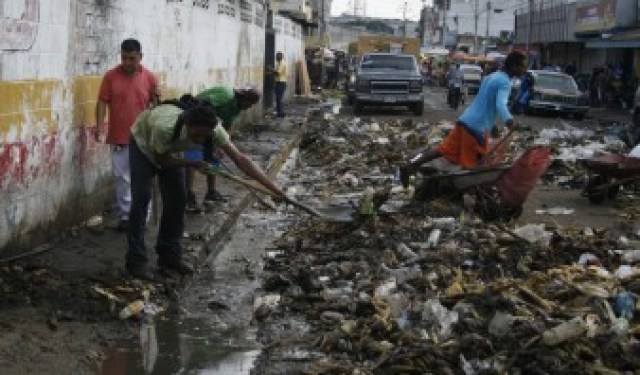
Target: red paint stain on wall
(41, 157)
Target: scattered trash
(565, 331)
(439, 318)
(430, 287)
(556, 211)
(534, 233)
(95, 221)
(133, 309)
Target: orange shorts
(462, 148)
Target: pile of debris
(402, 291)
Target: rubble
(431, 288)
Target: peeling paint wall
(52, 57)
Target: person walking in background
(280, 76)
(227, 104)
(125, 91)
(525, 93)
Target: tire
(612, 192)
(593, 183)
(357, 107)
(417, 109)
(579, 116)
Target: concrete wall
(53, 54)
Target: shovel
(259, 188)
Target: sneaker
(180, 266)
(123, 226)
(212, 197)
(192, 204)
(140, 271)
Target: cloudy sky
(381, 8)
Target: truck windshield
(549, 81)
(388, 62)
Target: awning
(627, 39)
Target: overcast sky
(381, 8)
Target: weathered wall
(53, 53)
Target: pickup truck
(388, 79)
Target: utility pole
(475, 26)
(486, 32)
(322, 34)
(530, 29)
(404, 20)
(444, 21)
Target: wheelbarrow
(478, 182)
(606, 173)
(500, 189)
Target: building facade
(591, 33)
(53, 53)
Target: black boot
(177, 265)
(140, 271)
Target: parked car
(388, 79)
(555, 92)
(471, 77)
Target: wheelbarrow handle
(499, 144)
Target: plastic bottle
(631, 256)
(406, 252)
(565, 331)
(434, 238)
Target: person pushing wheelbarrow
(468, 142)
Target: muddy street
(382, 281)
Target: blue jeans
(173, 192)
(281, 87)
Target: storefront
(611, 33)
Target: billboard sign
(598, 16)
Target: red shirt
(126, 96)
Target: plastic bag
(516, 184)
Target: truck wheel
(357, 107)
(417, 109)
(596, 183)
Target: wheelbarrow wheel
(511, 213)
(594, 190)
(612, 192)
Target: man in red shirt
(126, 90)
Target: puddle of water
(234, 364)
(168, 347)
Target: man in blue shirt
(468, 141)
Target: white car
(471, 77)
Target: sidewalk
(53, 319)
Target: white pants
(122, 174)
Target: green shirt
(153, 132)
(223, 100)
